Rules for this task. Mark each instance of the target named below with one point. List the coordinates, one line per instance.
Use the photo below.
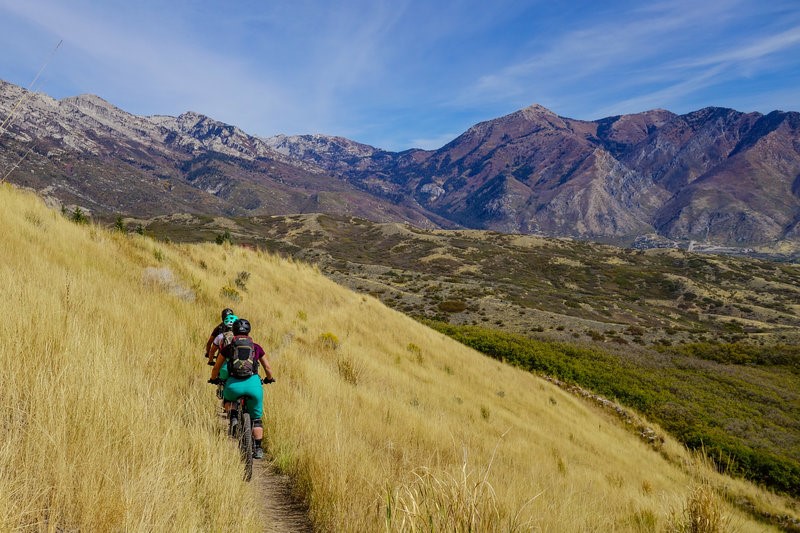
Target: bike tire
(235, 426)
(246, 446)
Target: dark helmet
(226, 312)
(241, 327)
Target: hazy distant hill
(714, 175)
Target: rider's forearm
(267, 368)
(217, 367)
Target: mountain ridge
(714, 175)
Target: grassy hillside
(704, 344)
(740, 403)
(383, 423)
(105, 421)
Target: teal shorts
(252, 391)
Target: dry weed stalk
(438, 500)
(702, 513)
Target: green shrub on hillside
(452, 306)
(224, 237)
(79, 217)
(328, 340)
(744, 354)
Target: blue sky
(405, 73)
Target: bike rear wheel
(235, 424)
(246, 446)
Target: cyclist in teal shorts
(241, 360)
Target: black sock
(258, 443)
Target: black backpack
(241, 357)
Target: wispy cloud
(129, 60)
(760, 47)
(346, 53)
(657, 98)
(685, 78)
(644, 57)
(596, 47)
(394, 73)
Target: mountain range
(716, 175)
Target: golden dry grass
(107, 422)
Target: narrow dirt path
(278, 508)
(282, 512)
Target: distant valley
(561, 289)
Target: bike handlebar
(217, 381)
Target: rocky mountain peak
(87, 100)
(301, 145)
(518, 124)
(191, 118)
(537, 112)
(715, 175)
(97, 108)
(533, 116)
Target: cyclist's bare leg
(258, 433)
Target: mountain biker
(219, 342)
(238, 383)
(217, 330)
(223, 339)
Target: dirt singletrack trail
(281, 512)
(278, 509)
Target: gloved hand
(268, 380)
(215, 381)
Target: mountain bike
(240, 427)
